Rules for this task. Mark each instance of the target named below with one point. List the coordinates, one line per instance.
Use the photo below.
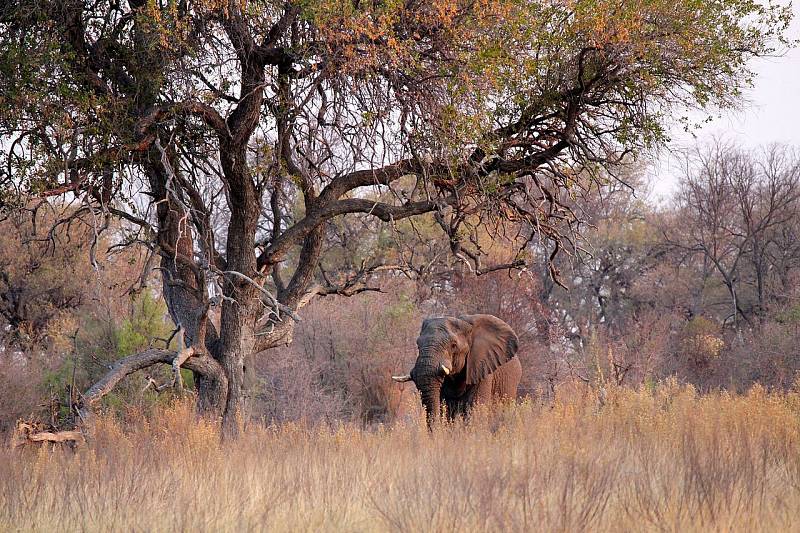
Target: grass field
(664, 459)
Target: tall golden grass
(641, 460)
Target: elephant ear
(493, 343)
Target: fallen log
(27, 433)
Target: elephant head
(457, 353)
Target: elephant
(463, 361)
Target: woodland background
(375, 163)
(704, 287)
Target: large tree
(230, 134)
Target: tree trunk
(242, 302)
(183, 294)
(238, 345)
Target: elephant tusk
(402, 379)
(444, 369)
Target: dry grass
(664, 460)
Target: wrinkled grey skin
(463, 361)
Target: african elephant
(463, 361)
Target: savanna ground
(658, 458)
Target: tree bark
(241, 305)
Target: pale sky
(771, 114)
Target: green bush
(146, 322)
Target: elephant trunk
(429, 372)
(432, 401)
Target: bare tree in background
(737, 211)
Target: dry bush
(63, 319)
(48, 278)
(22, 391)
(642, 355)
(653, 460)
(770, 356)
(341, 360)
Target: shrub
(341, 360)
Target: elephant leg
(456, 407)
